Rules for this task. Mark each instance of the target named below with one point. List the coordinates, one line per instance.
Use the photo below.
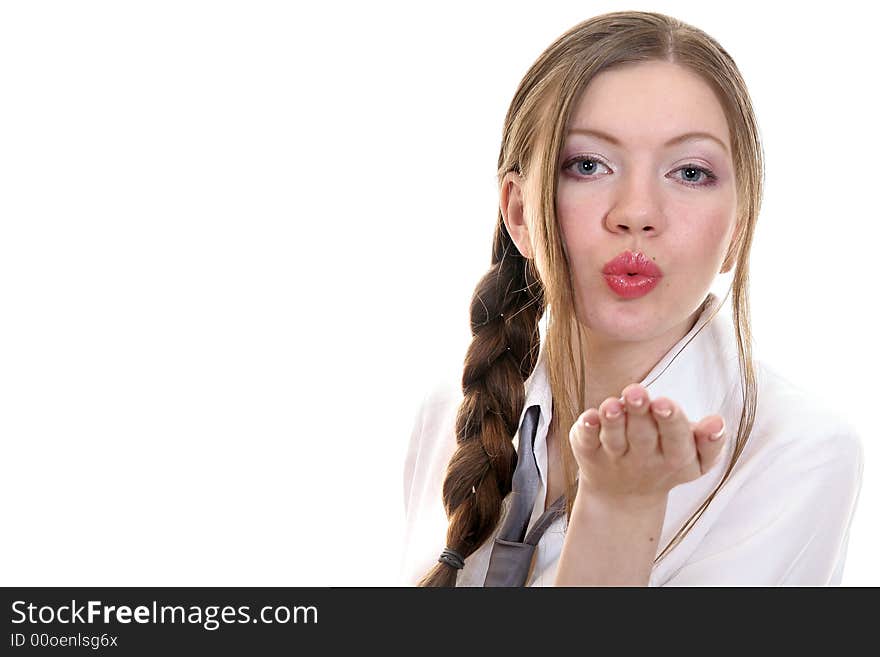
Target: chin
(625, 322)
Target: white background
(238, 241)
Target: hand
(639, 453)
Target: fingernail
(663, 412)
(635, 402)
(612, 412)
(587, 423)
(716, 436)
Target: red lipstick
(631, 275)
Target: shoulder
(432, 437)
(440, 398)
(795, 428)
(800, 414)
(438, 407)
(788, 416)
(431, 444)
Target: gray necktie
(513, 550)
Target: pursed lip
(627, 263)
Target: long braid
(505, 309)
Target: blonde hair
(510, 299)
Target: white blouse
(782, 517)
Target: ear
(730, 258)
(513, 211)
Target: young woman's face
(639, 189)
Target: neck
(610, 365)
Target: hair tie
(451, 558)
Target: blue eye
(693, 172)
(585, 165)
(584, 168)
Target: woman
(643, 443)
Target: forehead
(649, 102)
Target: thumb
(710, 435)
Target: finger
(612, 433)
(641, 429)
(710, 437)
(676, 436)
(584, 434)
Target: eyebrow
(688, 136)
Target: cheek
(707, 234)
(580, 225)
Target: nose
(637, 208)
